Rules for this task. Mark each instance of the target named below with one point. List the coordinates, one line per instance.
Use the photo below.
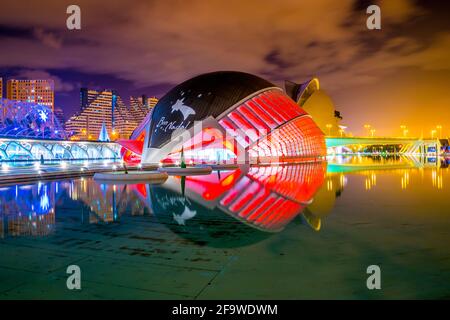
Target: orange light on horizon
(433, 132)
(329, 126)
(439, 127)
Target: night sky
(389, 77)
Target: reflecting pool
(287, 231)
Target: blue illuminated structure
(39, 149)
(30, 132)
(28, 210)
(28, 120)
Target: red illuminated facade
(262, 126)
(264, 197)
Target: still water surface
(297, 231)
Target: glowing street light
(329, 128)
(405, 132)
(433, 132)
(372, 132)
(342, 130)
(367, 127)
(439, 127)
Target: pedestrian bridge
(409, 145)
(16, 149)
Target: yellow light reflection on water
(436, 179)
(405, 180)
(330, 185)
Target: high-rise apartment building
(151, 102)
(98, 107)
(148, 103)
(139, 108)
(59, 115)
(37, 91)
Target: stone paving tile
(12, 278)
(35, 259)
(169, 280)
(53, 287)
(166, 253)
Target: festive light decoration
(28, 120)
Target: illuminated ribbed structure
(236, 207)
(28, 120)
(229, 116)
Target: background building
(59, 115)
(318, 105)
(139, 108)
(1, 87)
(36, 91)
(151, 102)
(98, 107)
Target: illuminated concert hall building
(226, 117)
(317, 103)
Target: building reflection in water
(106, 202)
(27, 210)
(232, 207)
(324, 200)
(238, 207)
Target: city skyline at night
(385, 78)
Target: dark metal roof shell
(209, 94)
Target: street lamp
(372, 132)
(439, 127)
(433, 132)
(404, 130)
(367, 127)
(342, 130)
(329, 128)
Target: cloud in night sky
(60, 85)
(152, 45)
